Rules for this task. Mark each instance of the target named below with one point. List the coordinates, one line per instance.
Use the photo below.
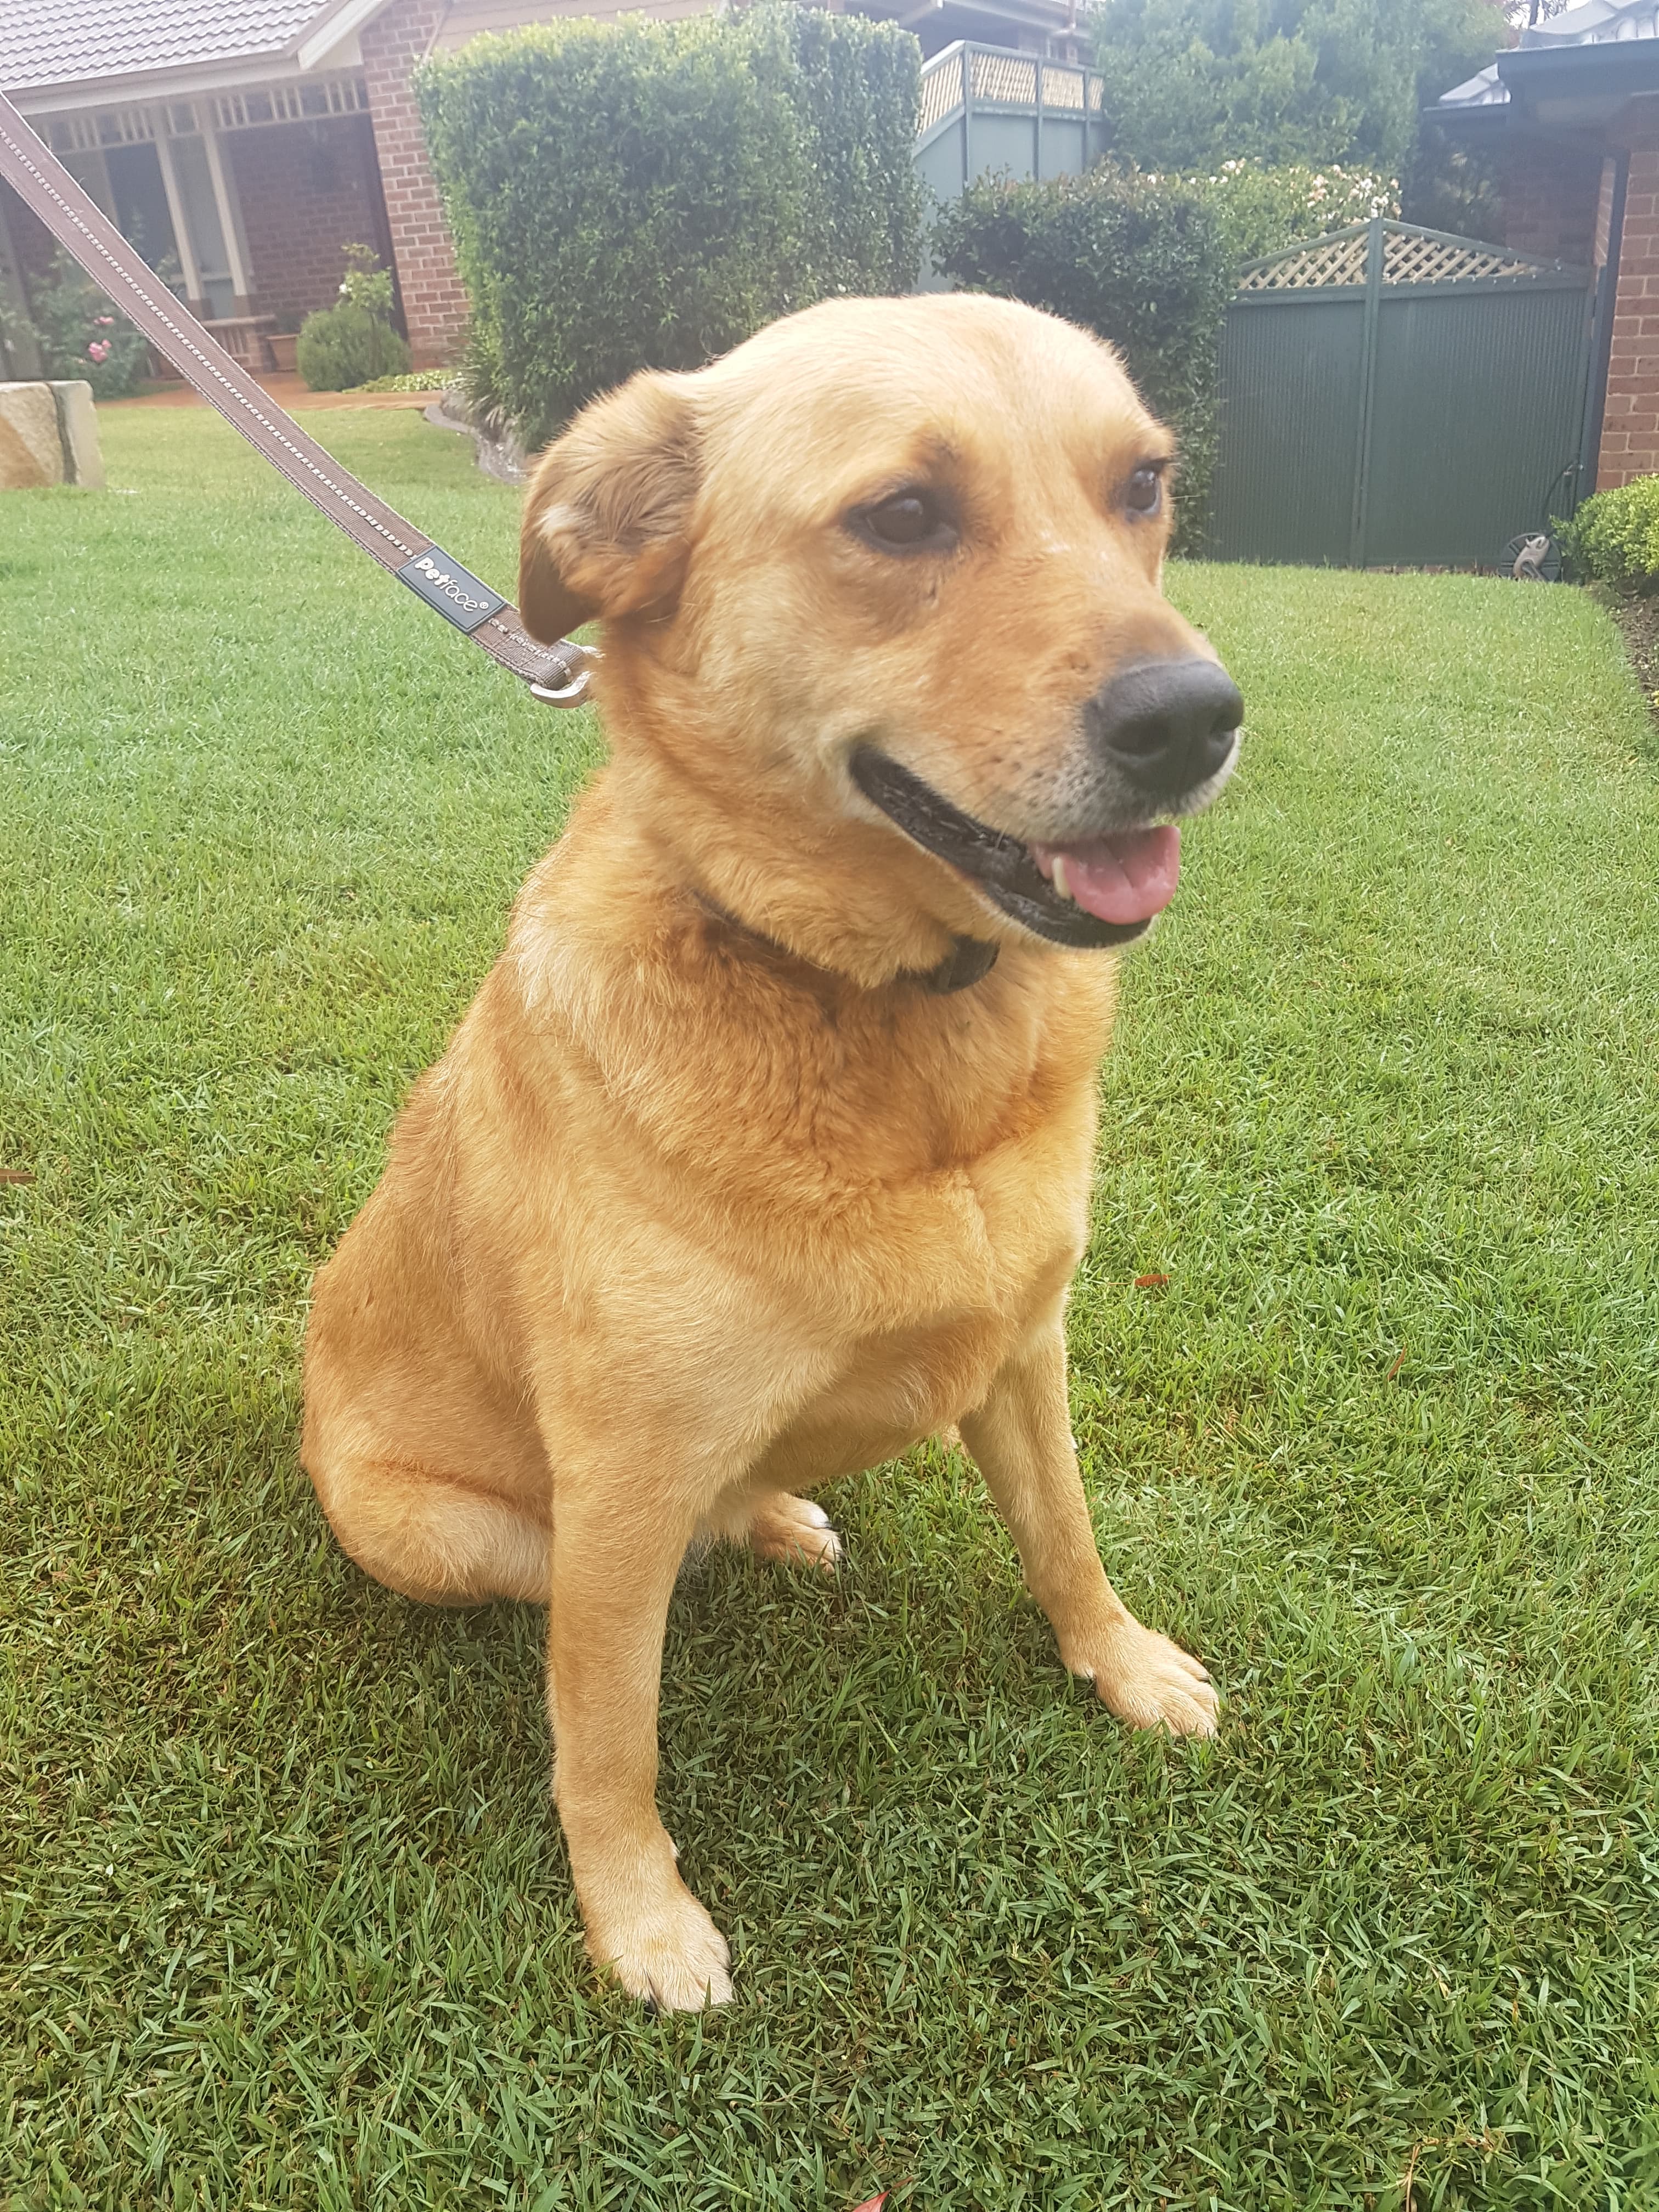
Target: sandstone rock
(31, 449)
(77, 430)
(48, 435)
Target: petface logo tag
(454, 591)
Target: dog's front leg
(1022, 1439)
(617, 1550)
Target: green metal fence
(1391, 395)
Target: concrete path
(290, 393)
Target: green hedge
(1145, 261)
(645, 195)
(1613, 538)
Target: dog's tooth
(1061, 883)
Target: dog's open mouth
(1105, 891)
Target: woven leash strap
(557, 673)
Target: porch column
(190, 267)
(230, 223)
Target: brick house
(1572, 112)
(244, 144)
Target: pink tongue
(1125, 878)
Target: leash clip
(580, 674)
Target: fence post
(1036, 143)
(1374, 265)
(967, 115)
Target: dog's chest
(949, 1278)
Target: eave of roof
(1563, 90)
(1573, 73)
(126, 49)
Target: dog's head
(885, 581)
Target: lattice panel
(1328, 261)
(1407, 260)
(1063, 89)
(1007, 79)
(941, 91)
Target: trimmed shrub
(1613, 538)
(640, 194)
(339, 348)
(1144, 261)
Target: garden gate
(1392, 395)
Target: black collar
(969, 960)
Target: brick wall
(1551, 198)
(308, 190)
(435, 305)
(1629, 429)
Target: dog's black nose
(1168, 725)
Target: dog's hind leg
(777, 1525)
(432, 1537)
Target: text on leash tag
(454, 591)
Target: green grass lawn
(287, 1919)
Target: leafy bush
(1145, 261)
(348, 345)
(644, 194)
(81, 334)
(1613, 538)
(1261, 210)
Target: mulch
(1639, 624)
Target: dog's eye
(909, 522)
(1144, 494)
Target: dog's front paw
(671, 1955)
(1151, 1683)
(787, 1528)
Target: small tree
(354, 343)
(1191, 83)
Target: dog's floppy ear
(606, 520)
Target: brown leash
(558, 674)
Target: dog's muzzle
(1160, 734)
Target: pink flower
(105, 322)
(98, 350)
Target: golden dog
(765, 1150)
